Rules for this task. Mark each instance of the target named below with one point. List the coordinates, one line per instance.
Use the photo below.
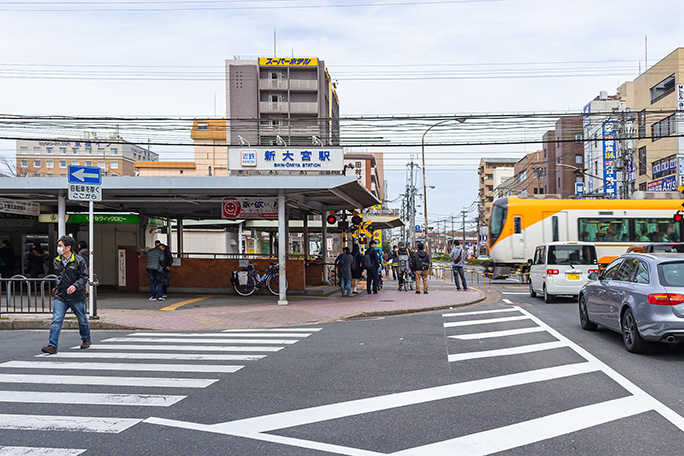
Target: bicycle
(247, 282)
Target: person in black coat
(357, 267)
(36, 260)
(372, 276)
(7, 258)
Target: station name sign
(286, 159)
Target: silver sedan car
(641, 296)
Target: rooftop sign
(286, 159)
(267, 61)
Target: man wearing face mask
(72, 277)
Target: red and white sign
(249, 208)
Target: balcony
(304, 84)
(273, 84)
(270, 107)
(267, 107)
(304, 108)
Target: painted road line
(66, 423)
(182, 303)
(159, 356)
(148, 382)
(479, 312)
(161, 334)
(508, 332)
(515, 293)
(356, 407)
(507, 301)
(199, 348)
(122, 366)
(452, 324)
(506, 351)
(53, 397)
(200, 341)
(531, 431)
(272, 329)
(37, 451)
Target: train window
(554, 227)
(498, 219)
(656, 230)
(517, 225)
(604, 229)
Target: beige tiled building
(492, 173)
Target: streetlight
(422, 143)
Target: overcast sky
(406, 57)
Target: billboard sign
(249, 208)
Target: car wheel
(547, 297)
(630, 333)
(533, 294)
(584, 316)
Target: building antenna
(214, 104)
(646, 51)
(274, 43)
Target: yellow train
(517, 225)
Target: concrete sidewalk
(217, 312)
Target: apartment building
(608, 131)
(51, 158)
(281, 101)
(658, 103)
(528, 175)
(492, 172)
(368, 170)
(563, 162)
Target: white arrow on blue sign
(85, 175)
(417, 227)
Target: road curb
(8, 325)
(388, 313)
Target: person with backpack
(403, 262)
(371, 264)
(458, 257)
(344, 266)
(421, 266)
(356, 268)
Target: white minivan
(561, 268)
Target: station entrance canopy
(197, 197)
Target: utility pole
(463, 213)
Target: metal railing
(19, 294)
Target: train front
(499, 243)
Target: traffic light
(331, 218)
(678, 217)
(356, 220)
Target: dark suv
(657, 247)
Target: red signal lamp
(331, 219)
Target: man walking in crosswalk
(72, 277)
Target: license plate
(573, 276)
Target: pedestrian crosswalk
(465, 327)
(175, 362)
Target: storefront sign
(249, 208)
(268, 61)
(286, 159)
(122, 267)
(19, 207)
(680, 97)
(609, 143)
(666, 184)
(97, 218)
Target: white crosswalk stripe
(38, 451)
(202, 353)
(491, 334)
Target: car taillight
(665, 299)
(593, 270)
(552, 272)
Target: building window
(36, 163)
(100, 151)
(114, 151)
(50, 175)
(23, 150)
(641, 123)
(36, 174)
(62, 164)
(579, 159)
(114, 164)
(62, 150)
(50, 163)
(89, 163)
(89, 151)
(642, 161)
(75, 150)
(49, 150)
(663, 88)
(62, 175)
(24, 164)
(202, 126)
(36, 150)
(101, 164)
(663, 128)
(74, 162)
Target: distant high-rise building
(281, 101)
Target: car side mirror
(593, 276)
(529, 261)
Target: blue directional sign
(85, 175)
(417, 227)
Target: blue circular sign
(417, 227)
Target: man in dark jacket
(167, 262)
(421, 266)
(70, 289)
(155, 259)
(372, 269)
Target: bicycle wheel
(274, 285)
(246, 289)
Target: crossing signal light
(331, 219)
(678, 217)
(356, 220)
(343, 225)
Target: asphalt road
(444, 383)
